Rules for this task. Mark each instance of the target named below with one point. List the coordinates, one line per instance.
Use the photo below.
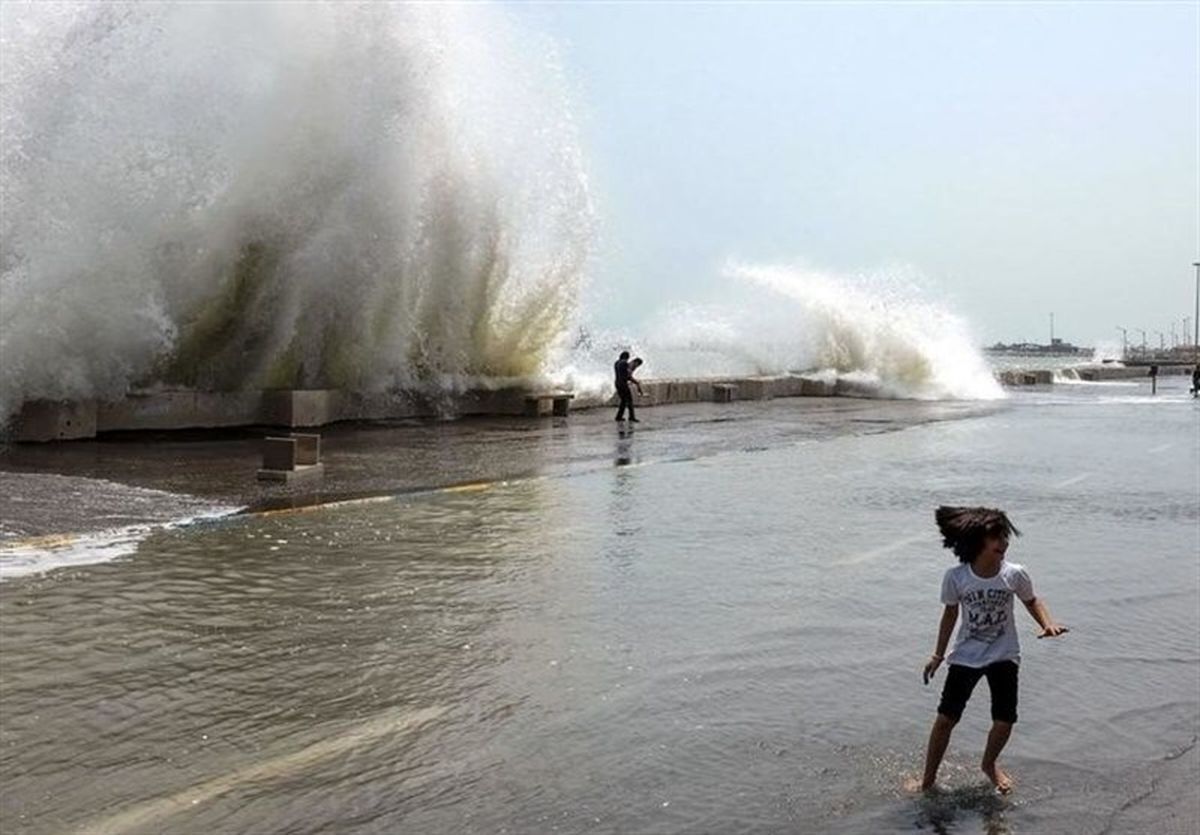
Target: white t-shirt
(986, 629)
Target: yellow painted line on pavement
(470, 487)
(1070, 481)
(315, 506)
(54, 540)
(883, 550)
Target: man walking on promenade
(622, 375)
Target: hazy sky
(1024, 158)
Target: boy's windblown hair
(964, 529)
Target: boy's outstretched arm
(1041, 614)
(949, 618)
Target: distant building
(1056, 348)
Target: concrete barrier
(55, 420)
(287, 408)
(1088, 373)
(301, 407)
(755, 388)
(853, 388)
(179, 409)
(724, 392)
(542, 404)
(1099, 373)
(817, 387)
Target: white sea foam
(50, 521)
(878, 332)
(20, 558)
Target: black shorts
(1002, 681)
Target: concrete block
(1019, 377)
(816, 387)
(300, 474)
(279, 454)
(301, 407)
(179, 409)
(854, 388)
(548, 403)
(724, 392)
(55, 420)
(754, 388)
(308, 449)
(788, 385)
(537, 406)
(502, 401)
(291, 459)
(654, 393)
(684, 391)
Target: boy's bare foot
(999, 778)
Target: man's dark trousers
(626, 397)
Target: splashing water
(350, 196)
(877, 333)
(322, 195)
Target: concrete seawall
(1087, 373)
(168, 409)
(48, 420)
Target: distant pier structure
(1056, 348)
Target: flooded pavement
(713, 623)
(390, 457)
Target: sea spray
(878, 332)
(318, 194)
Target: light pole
(1143, 333)
(1196, 316)
(1124, 342)
(1162, 341)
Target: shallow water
(727, 638)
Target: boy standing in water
(986, 645)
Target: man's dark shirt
(621, 367)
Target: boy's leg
(960, 681)
(1002, 681)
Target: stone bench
(289, 458)
(557, 403)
